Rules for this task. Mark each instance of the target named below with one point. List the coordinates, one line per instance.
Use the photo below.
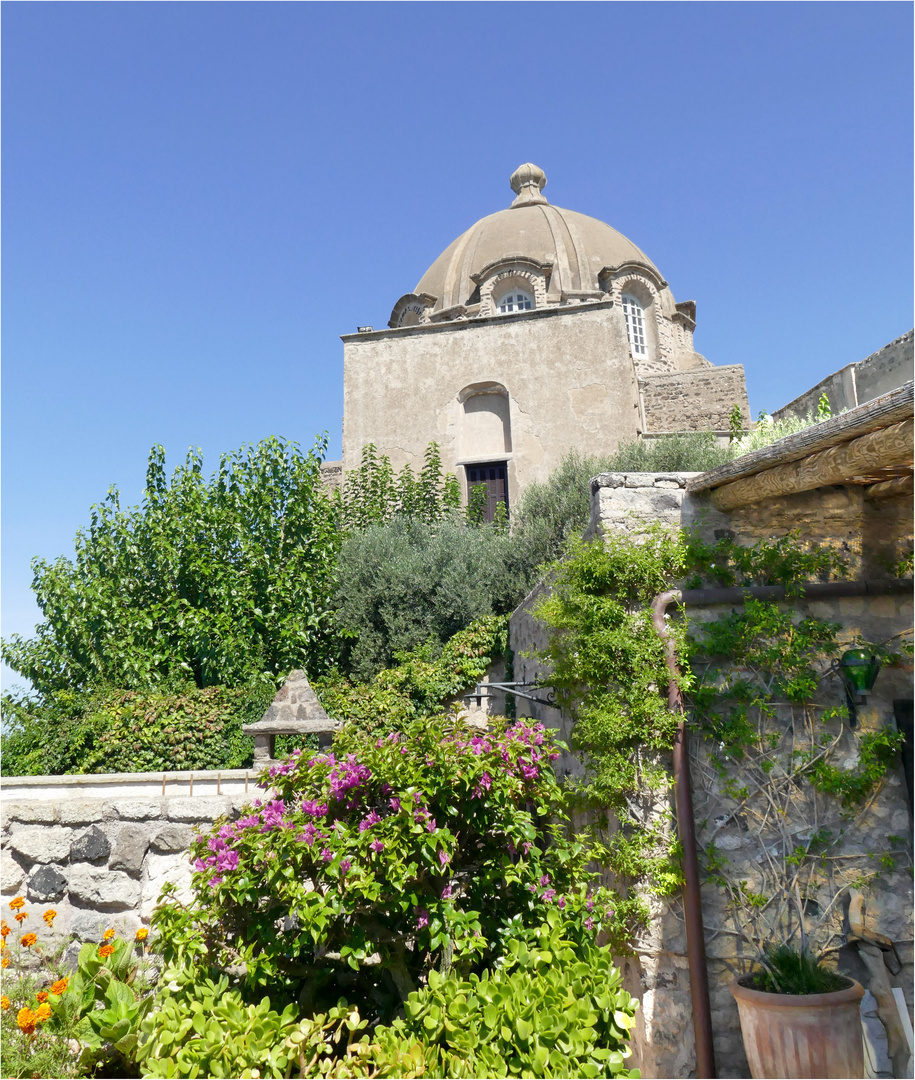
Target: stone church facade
(537, 331)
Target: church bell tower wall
(564, 379)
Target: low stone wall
(101, 862)
(626, 501)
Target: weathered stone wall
(696, 400)
(872, 535)
(658, 974)
(567, 373)
(856, 384)
(626, 502)
(102, 862)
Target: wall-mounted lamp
(859, 669)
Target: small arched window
(635, 325)
(516, 300)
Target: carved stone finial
(528, 182)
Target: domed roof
(577, 247)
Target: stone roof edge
(457, 324)
(898, 405)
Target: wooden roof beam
(889, 446)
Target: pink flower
(561, 903)
(548, 894)
(545, 880)
(589, 923)
(446, 892)
(395, 804)
(369, 821)
(422, 918)
(444, 858)
(346, 865)
(214, 880)
(590, 905)
(377, 845)
(327, 854)
(430, 825)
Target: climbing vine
(763, 697)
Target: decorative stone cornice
(610, 273)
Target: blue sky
(199, 198)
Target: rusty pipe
(692, 897)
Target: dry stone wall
(102, 862)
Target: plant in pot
(793, 806)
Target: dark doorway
(494, 476)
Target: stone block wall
(696, 400)
(627, 502)
(102, 862)
(856, 384)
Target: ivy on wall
(739, 670)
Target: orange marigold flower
(105, 950)
(142, 933)
(28, 940)
(26, 1020)
(42, 996)
(21, 916)
(17, 903)
(4, 1002)
(4, 927)
(109, 934)
(49, 916)
(5, 962)
(3, 944)
(43, 1013)
(59, 986)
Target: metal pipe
(692, 897)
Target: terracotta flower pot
(802, 1035)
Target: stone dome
(575, 246)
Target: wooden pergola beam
(890, 489)
(887, 447)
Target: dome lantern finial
(528, 182)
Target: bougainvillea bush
(365, 868)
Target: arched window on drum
(635, 324)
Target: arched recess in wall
(485, 422)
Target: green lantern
(859, 670)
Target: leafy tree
(403, 584)
(372, 494)
(217, 581)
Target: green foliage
(373, 495)
(403, 585)
(607, 661)
(130, 731)
(216, 581)
(877, 752)
(784, 560)
(86, 1020)
(696, 451)
(199, 1027)
(552, 1007)
(421, 683)
(768, 431)
(388, 857)
(735, 423)
(788, 971)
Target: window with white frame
(516, 300)
(635, 325)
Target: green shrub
(551, 1007)
(788, 971)
(421, 683)
(130, 731)
(405, 584)
(388, 857)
